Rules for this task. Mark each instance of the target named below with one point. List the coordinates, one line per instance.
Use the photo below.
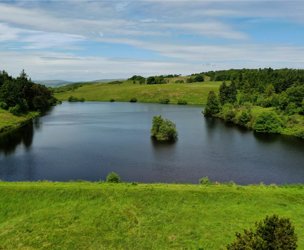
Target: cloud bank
(86, 40)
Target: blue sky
(89, 39)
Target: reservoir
(86, 141)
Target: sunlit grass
(9, 121)
(194, 93)
(144, 216)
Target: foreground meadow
(84, 215)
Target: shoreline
(4, 130)
(283, 132)
(219, 185)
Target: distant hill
(60, 83)
(104, 80)
(53, 83)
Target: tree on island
(212, 106)
(163, 129)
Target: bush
(137, 78)
(302, 108)
(133, 99)
(3, 105)
(115, 82)
(156, 80)
(205, 181)
(228, 112)
(179, 81)
(164, 101)
(245, 117)
(273, 233)
(300, 134)
(292, 109)
(229, 115)
(112, 100)
(16, 110)
(268, 122)
(75, 99)
(113, 178)
(182, 102)
(198, 78)
(163, 129)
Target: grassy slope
(194, 93)
(125, 216)
(10, 122)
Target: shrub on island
(163, 130)
(113, 178)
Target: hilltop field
(85, 215)
(192, 93)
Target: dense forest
(20, 95)
(266, 100)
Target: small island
(163, 130)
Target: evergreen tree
(223, 93)
(213, 106)
(232, 93)
(227, 94)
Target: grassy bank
(84, 215)
(194, 93)
(9, 122)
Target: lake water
(88, 140)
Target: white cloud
(42, 20)
(209, 28)
(65, 66)
(38, 39)
(46, 65)
(8, 34)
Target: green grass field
(9, 121)
(83, 215)
(194, 93)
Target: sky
(78, 40)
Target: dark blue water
(88, 140)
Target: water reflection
(10, 141)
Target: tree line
(280, 90)
(163, 79)
(20, 95)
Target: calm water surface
(88, 140)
